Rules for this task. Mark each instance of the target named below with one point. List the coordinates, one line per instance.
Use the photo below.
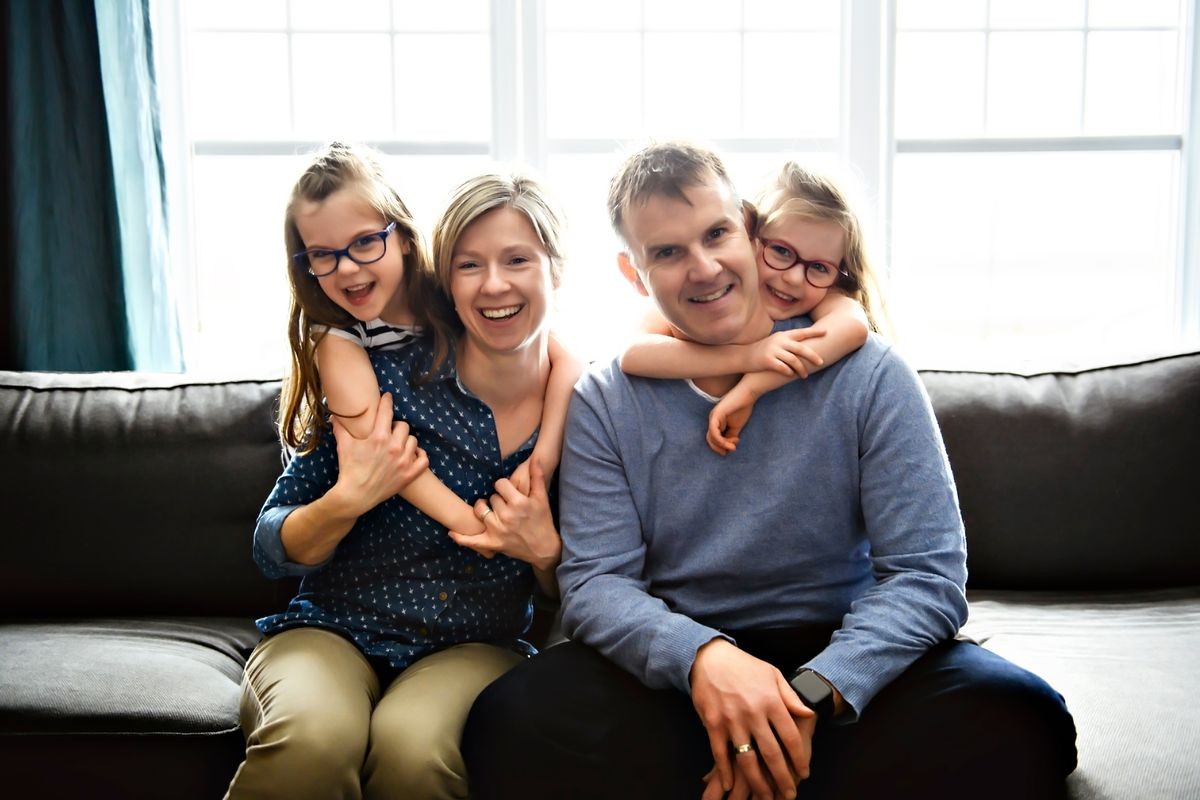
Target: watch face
(810, 687)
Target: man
(778, 622)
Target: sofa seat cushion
(1126, 664)
(122, 676)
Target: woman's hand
(518, 525)
(370, 471)
(373, 469)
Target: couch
(127, 592)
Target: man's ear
(750, 215)
(625, 264)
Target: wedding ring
(743, 748)
(486, 510)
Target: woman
(361, 687)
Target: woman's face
(500, 282)
(787, 293)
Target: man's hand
(743, 700)
(784, 352)
(373, 469)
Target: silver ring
(743, 748)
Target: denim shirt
(397, 585)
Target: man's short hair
(664, 169)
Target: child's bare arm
(565, 369)
(352, 395)
(349, 383)
(845, 328)
(845, 325)
(657, 354)
(436, 499)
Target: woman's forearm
(312, 532)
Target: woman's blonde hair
(470, 201)
(337, 166)
(799, 192)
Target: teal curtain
(70, 226)
(130, 97)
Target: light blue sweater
(837, 507)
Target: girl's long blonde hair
(339, 166)
(799, 192)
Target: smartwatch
(814, 692)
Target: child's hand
(726, 420)
(520, 478)
(785, 353)
(522, 475)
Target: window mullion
(866, 131)
(506, 94)
(533, 83)
(1188, 282)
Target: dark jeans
(960, 722)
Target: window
(1022, 166)
(1038, 175)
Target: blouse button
(423, 630)
(469, 569)
(443, 596)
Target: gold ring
(743, 748)
(486, 510)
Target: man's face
(697, 262)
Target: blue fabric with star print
(397, 585)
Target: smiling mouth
(717, 295)
(787, 298)
(498, 314)
(359, 291)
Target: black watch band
(814, 692)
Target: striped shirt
(376, 335)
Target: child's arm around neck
(843, 328)
(565, 370)
(656, 353)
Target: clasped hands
(742, 700)
(516, 523)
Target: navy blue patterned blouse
(397, 585)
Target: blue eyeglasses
(366, 249)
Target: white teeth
(362, 287)
(787, 298)
(499, 313)
(708, 298)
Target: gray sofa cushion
(122, 676)
(1126, 664)
(1077, 480)
(132, 494)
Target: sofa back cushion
(1088, 479)
(126, 493)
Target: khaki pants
(317, 724)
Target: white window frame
(867, 138)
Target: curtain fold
(67, 309)
(131, 101)
(84, 284)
